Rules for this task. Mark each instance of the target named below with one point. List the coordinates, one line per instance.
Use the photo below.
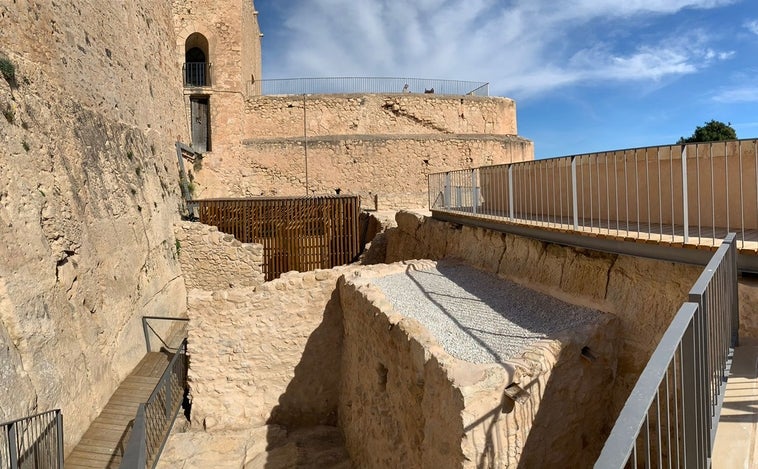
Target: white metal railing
(691, 194)
(344, 85)
(671, 415)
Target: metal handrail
(687, 194)
(155, 416)
(34, 442)
(671, 415)
(146, 329)
(350, 85)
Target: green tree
(712, 131)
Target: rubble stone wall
(404, 401)
(212, 260)
(644, 294)
(266, 354)
(392, 168)
(378, 114)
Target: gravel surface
(478, 317)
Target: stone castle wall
(644, 294)
(88, 197)
(212, 260)
(377, 114)
(393, 168)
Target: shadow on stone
(308, 407)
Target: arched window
(196, 64)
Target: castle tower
(219, 46)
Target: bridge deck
(102, 446)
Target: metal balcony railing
(371, 85)
(692, 194)
(196, 74)
(34, 442)
(670, 418)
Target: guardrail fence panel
(34, 442)
(681, 194)
(156, 416)
(347, 85)
(671, 415)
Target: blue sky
(587, 75)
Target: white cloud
(752, 26)
(522, 47)
(746, 94)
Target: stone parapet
(398, 114)
(212, 260)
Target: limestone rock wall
(212, 260)
(266, 354)
(378, 114)
(88, 197)
(393, 168)
(643, 293)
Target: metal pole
(305, 146)
(474, 195)
(12, 445)
(685, 207)
(59, 425)
(147, 334)
(447, 195)
(510, 191)
(573, 193)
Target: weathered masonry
(375, 143)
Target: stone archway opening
(196, 61)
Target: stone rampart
(212, 260)
(377, 114)
(393, 168)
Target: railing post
(12, 445)
(510, 191)
(147, 334)
(59, 430)
(135, 455)
(474, 192)
(690, 430)
(731, 259)
(574, 200)
(447, 195)
(685, 202)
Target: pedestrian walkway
(736, 444)
(102, 446)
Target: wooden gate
(302, 234)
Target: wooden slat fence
(302, 234)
